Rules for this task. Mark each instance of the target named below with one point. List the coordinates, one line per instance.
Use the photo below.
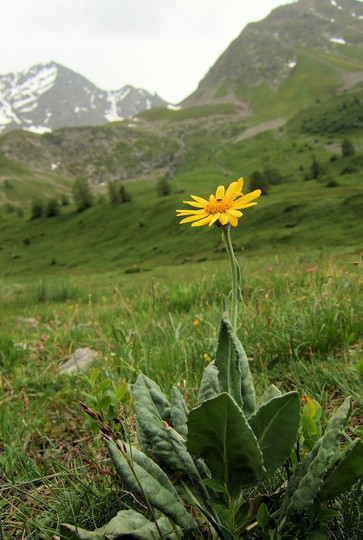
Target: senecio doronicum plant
(233, 466)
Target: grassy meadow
(300, 323)
(145, 293)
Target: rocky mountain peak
(48, 96)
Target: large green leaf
(344, 472)
(158, 406)
(164, 443)
(126, 524)
(271, 392)
(233, 370)
(275, 425)
(308, 478)
(219, 433)
(209, 386)
(179, 412)
(145, 479)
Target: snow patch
(333, 3)
(332, 20)
(38, 129)
(176, 107)
(291, 64)
(338, 40)
(112, 115)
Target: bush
(316, 169)
(259, 181)
(273, 176)
(64, 200)
(113, 193)
(37, 209)
(163, 187)
(82, 193)
(52, 209)
(124, 195)
(347, 148)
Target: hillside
(302, 198)
(289, 135)
(299, 53)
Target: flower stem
(234, 274)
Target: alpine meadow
(181, 329)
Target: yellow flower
(196, 322)
(223, 206)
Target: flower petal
(193, 218)
(234, 189)
(196, 204)
(240, 206)
(223, 219)
(190, 212)
(203, 221)
(234, 212)
(220, 192)
(214, 218)
(199, 199)
(232, 219)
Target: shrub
(82, 193)
(163, 187)
(259, 181)
(37, 209)
(52, 209)
(347, 148)
(124, 195)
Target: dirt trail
(254, 130)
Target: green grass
(301, 325)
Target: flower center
(217, 206)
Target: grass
(300, 323)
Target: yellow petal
(214, 218)
(189, 212)
(196, 204)
(192, 218)
(203, 221)
(234, 189)
(232, 219)
(223, 219)
(240, 206)
(199, 199)
(234, 212)
(220, 192)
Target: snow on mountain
(48, 96)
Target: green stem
(234, 274)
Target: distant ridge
(267, 54)
(49, 96)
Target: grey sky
(164, 46)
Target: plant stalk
(234, 274)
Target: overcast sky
(164, 46)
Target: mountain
(50, 96)
(299, 53)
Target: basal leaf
(308, 478)
(271, 392)
(209, 386)
(179, 412)
(276, 425)
(219, 433)
(233, 370)
(145, 478)
(126, 524)
(344, 472)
